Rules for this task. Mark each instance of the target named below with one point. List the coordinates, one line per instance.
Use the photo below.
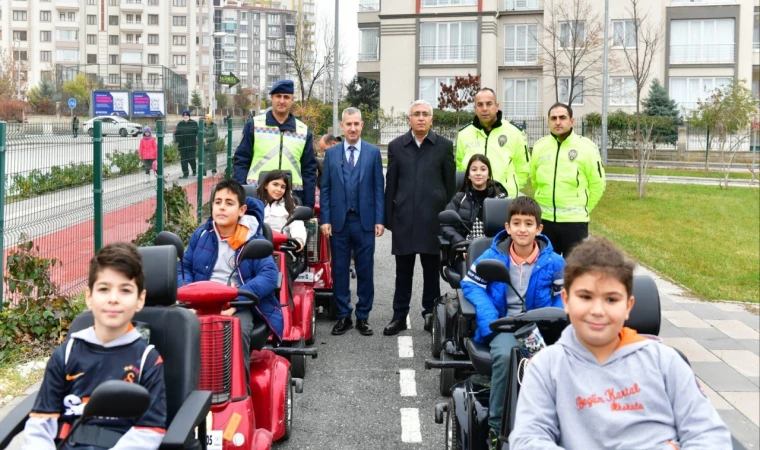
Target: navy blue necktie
(351, 162)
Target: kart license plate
(307, 277)
(214, 440)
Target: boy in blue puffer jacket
(535, 272)
(214, 249)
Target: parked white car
(113, 125)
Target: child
(602, 385)
(535, 272)
(148, 152)
(214, 250)
(110, 350)
(276, 194)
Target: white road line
(408, 385)
(408, 323)
(410, 425)
(405, 348)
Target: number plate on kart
(214, 440)
(306, 277)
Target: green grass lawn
(680, 173)
(703, 238)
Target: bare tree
(570, 40)
(647, 42)
(9, 79)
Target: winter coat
(490, 298)
(210, 136)
(468, 207)
(419, 183)
(258, 275)
(148, 149)
(186, 135)
(275, 215)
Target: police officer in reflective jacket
(277, 140)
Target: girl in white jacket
(275, 192)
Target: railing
(433, 54)
(519, 108)
(702, 54)
(369, 56)
(691, 2)
(369, 5)
(756, 46)
(523, 5)
(521, 56)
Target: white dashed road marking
(410, 425)
(408, 323)
(408, 385)
(405, 349)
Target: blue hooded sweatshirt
(490, 298)
(258, 275)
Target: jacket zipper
(282, 136)
(554, 185)
(487, 135)
(599, 168)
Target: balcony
(67, 4)
(369, 5)
(702, 54)
(369, 56)
(520, 56)
(131, 25)
(229, 27)
(522, 109)
(701, 2)
(448, 54)
(67, 22)
(132, 5)
(523, 5)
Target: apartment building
(413, 46)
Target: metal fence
(72, 194)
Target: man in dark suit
(352, 214)
(419, 183)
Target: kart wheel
(288, 409)
(446, 379)
(452, 429)
(436, 344)
(123, 132)
(298, 362)
(313, 325)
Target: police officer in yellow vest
(503, 143)
(568, 178)
(277, 140)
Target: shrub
(125, 162)
(178, 218)
(12, 110)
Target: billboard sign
(148, 104)
(110, 103)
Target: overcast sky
(349, 32)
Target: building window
(46, 36)
(521, 98)
(179, 60)
(46, 56)
(442, 42)
(273, 19)
(153, 39)
(131, 58)
(152, 58)
(623, 34)
(204, 59)
(179, 40)
(244, 67)
(756, 33)
(152, 2)
(374, 5)
(564, 91)
(19, 35)
(92, 58)
(622, 91)
(130, 38)
(113, 59)
(274, 31)
(430, 88)
(152, 19)
(67, 35)
(572, 34)
(179, 21)
(113, 79)
(91, 2)
(92, 19)
(67, 54)
(46, 75)
(46, 16)
(113, 2)
(688, 91)
(113, 39)
(520, 44)
(92, 39)
(702, 41)
(521, 5)
(179, 3)
(426, 3)
(113, 20)
(19, 16)
(369, 44)
(20, 55)
(153, 79)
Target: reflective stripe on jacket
(277, 149)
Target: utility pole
(211, 62)
(336, 77)
(605, 78)
(18, 71)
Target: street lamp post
(605, 79)
(18, 69)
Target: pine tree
(660, 105)
(195, 99)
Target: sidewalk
(683, 180)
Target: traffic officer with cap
(277, 140)
(568, 178)
(502, 142)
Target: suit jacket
(333, 204)
(419, 184)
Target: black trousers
(405, 273)
(187, 156)
(565, 235)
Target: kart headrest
(266, 231)
(476, 248)
(645, 315)
(160, 266)
(250, 191)
(460, 180)
(495, 212)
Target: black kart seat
(495, 213)
(480, 355)
(476, 248)
(645, 315)
(259, 335)
(459, 179)
(453, 277)
(250, 191)
(266, 230)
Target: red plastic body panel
(269, 374)
(305, 295)
(292, 330)
(208, 298)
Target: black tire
(436, 341)
(447, 377)
(313, 325)
(298, 362)
(123, 132)
(90, 132)
(452, 429)
(288, 409)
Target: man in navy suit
(352, 210)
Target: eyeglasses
(424, 114)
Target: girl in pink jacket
(148, 152)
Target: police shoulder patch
(519, 126)
(464, 126)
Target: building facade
(413, 46)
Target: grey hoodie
(645, 396)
